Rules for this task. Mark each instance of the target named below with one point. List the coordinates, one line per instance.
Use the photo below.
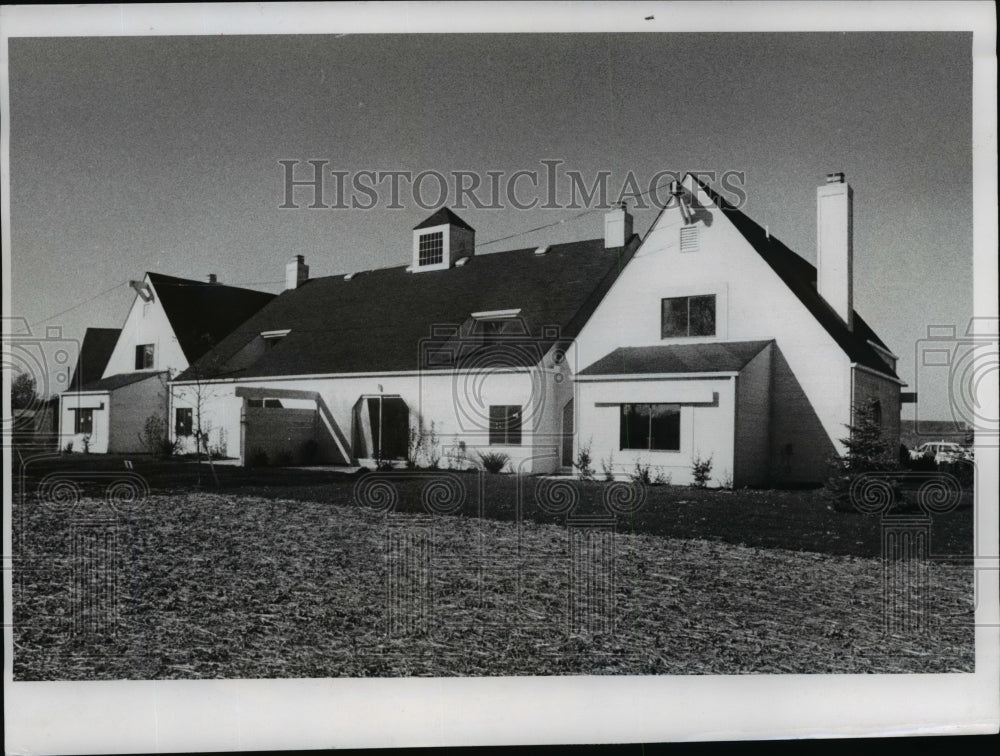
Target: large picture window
(431, 249)
(505, 425)
(651, 427)
(688, 316)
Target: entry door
(567, 434)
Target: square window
(143, 356)
(688, 316)
(430, 249)
(505, 425)
(184, 421)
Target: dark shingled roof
(202, 313)
(800, 276)
(113, 382)
(442, 216)
(713, 357)
(95, 351)
(379, 319)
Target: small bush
(701, 471)
(661, 479)
(583, 462)
(167, 447)
(493, 462)
(69, 447)
(608, 468)
(641, 473)
(86, 444)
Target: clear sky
(131, 154)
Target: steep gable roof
(95, 351)
(800, 276)
(441, 217)
(379, 320)
(711, 357)
(203, 313)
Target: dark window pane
(675, 317)
(430, 249)
(702, 315)
(634, 429)
(184, 420)
(255, 402)
(665, 427)
(275, 403)
(85, 421)
(505, 425)
(514, 426)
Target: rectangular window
(688, 316)
(143, 356)
(431, 249)
(183, 421)
(650, 427)
(505, 425)
(84, 421)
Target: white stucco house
(122, 374)
(707, 339)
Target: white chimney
(296, 272)
(617, 227)
(835, 245)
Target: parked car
(942, 451)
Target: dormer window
(441, 241)
(431, 249)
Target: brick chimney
(296, 272)
(617, 227)
(835, 246)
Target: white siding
(811, 374)
(458, 406)
(146, 323)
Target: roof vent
(461, 261)
(542, 250)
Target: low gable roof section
(800, 276)
(667, 359)
(380, 320)
(95, 351)
(120, 380)
(203, 313)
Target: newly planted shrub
(701, 471)
(583, 462)
(493, 462)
